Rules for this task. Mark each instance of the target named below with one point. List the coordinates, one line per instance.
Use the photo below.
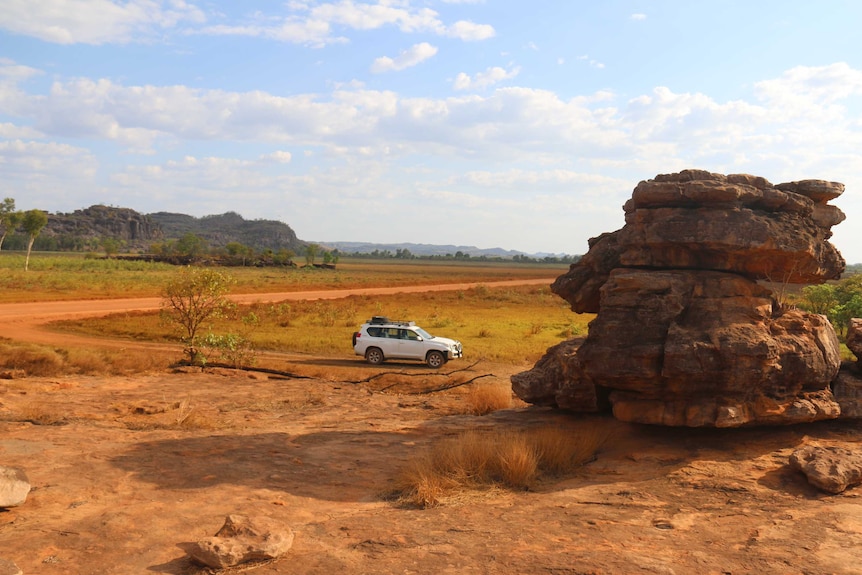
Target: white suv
(380, 339)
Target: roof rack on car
(383, 320)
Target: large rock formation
(684, 333)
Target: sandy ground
(126, 471)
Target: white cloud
(515, 141)
(316, 24)
(484, 79)
(10, 71)
(638, 17)
(95, 21)
(593, 63)
(40, 174)
(11, 131)
(469, 31)
(280, 157)
(416, 54)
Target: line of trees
(406, 254)
(31, 222)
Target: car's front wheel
(374, 356)
(435, 359)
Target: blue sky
(494, 123)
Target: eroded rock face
(854, 339)
(684, 333)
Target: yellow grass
(19, 359)
(513, 459)
(485, 398)
(495, 324)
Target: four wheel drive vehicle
(381, 338)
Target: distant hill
(220, 230)
(83, 230)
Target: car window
(409, 334)
(424, 333)
(376, 332)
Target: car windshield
(423, 333)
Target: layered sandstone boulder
(684, 334)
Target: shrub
(503, 458)
(485, 398)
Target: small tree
(191, 245)
(110, 245)
(32, 221)
(311, 253)
(195, 296)
(8, 218)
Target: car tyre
(374, 356)
(435, 359)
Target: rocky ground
(126, 471)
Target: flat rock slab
(830, 469)
(14, 486)
(9, 568)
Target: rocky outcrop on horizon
(89, 225)
(684, 333)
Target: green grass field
(74, 276)
(511, 324)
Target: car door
(410, 345)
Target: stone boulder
(243, 540)
(9, 568)
(14, 486)
(684, 334)
(854, 339)
(830, 469)
(694, 349)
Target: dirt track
(127, 470)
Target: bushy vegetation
(839, 301)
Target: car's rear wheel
(374, 356)
(435, 359)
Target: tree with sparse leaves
(195, 297)
(311, 251)
(8, 218)
(32, 221)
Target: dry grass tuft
(504, 458)
(562, 451)
(39, 414)
(34, 360)
(485, 398)
(177, 415)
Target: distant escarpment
(85, 229)
(684, 334)
(220, 230)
